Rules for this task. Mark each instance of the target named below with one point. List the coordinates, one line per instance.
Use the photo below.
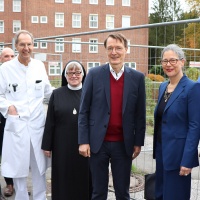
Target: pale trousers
(39, 182)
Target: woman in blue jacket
(177, 128)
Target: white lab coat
(28, 125)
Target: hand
(136, 151)
(84, 150)
(47, 153)
(184, 171)
(12, 110)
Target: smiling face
(25, 48)
(74, 80)
(174, 70)
(116, 52)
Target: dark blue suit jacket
(94, 113)
(180, 125)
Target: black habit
(70, 171)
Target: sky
(183, 5)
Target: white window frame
(1, 47)
(41, 47)
(74, 19)
(76, 48)
(1, 5)
(91, 20)
(2, 27)
(128, 64)
(88, 68)
(76, 1)
(56, 66)
(59, 1)
(59, 45)
(42, 21)
(93, 46)
(110, 4)
(124, 21)
(16, 8)
(126, 2)
(107, 27)
(36, 47)
(94, 2)
(19, 27)
(34, 19)
(129, 49)
(59, 19)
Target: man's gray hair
(24, 32)
(176, 49)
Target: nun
(70, 170)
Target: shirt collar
(112, 70)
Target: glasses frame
(74, 73)
(170, 61)
(117, 49)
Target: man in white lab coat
(23, 85)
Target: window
(131, 65)
(1, 5)
(1, 46)
(16, 26)
(59, 1)
(93, 1)
(59, 20)
(43, 19)
(76, 1)
(1, 26)
(16, 5)
(93, 20)
(34, 19)
(59, 47)
(129, 48)
(126, 21)
(109, 21)
(92, 64)
(76, 48)
(76, 20)
(93, 48)
(36, 45)
(54, 68)
(125, 2)
(43, 45)
(109, 2)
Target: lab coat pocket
(14, 124)
(38, 90)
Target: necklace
(167, 95)
(74, 111)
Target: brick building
(46, 18)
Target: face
(172, 70)
(116, 52)
(6, 55)
(24, 47)
(74, 80)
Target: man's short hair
(20, 32)
(117, 36)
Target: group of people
(95, 120)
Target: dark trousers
(9, 181)
(121, 168)
(169, 184)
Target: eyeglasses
(117, 49)
(25, 45)
(172, 61)
(77, 73)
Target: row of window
(54, 67)
(76, 48)
(17, 3)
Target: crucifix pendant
(74, 111)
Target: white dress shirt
(117, 75)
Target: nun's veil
(64, 80)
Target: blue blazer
(180, 125)
(94, 113)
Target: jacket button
(105, 126)
(164, 122)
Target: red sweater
(115, 128)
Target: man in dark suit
(112, 119)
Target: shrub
(157, 78)
(157, 69)
(192, 73)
